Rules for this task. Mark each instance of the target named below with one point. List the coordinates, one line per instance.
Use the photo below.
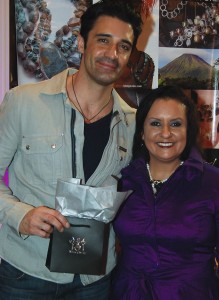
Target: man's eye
(125, 47)
(155, 123)
(102, 40)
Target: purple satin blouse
(169, 242)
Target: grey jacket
(35, 142)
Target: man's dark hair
(166, 93)
(116, 9)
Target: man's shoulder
(30, 88)
(50, 86)
(123, 105)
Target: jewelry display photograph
(193, 24)
(40, 56)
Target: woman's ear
(142, 135)
(80, 44)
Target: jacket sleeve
(217, 233)
(12, 210)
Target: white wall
(4, 47)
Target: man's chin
(106, 80)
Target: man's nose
(112, 51)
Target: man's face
(107, 50)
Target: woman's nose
(166, 131)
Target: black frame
(13, 80)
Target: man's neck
(93, 101)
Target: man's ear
(80, 44)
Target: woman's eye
(155, 123)
(176, 124)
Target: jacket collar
(58, 83)
(121, 110)
(194, 160)
(192, 167)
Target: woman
(169, 226)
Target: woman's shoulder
(133, 175)
(211, 175)
(137, 164)
(208, 167)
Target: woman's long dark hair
(166, 92)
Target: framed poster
(46, 43)
(12, 46)
(189, 57)
(46, 37)
(179, 44)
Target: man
(72, 125)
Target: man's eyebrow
(109, 35)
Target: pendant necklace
(157, 184)
(88, 120)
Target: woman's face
(164, 131)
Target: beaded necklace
(157, 184)
(33, 29)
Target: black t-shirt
(96, 137)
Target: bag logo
(77, 245)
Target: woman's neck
(162, 171)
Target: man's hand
(40, 221)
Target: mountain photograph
(188, 71)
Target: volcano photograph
(196, 69)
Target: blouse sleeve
(217, 233)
